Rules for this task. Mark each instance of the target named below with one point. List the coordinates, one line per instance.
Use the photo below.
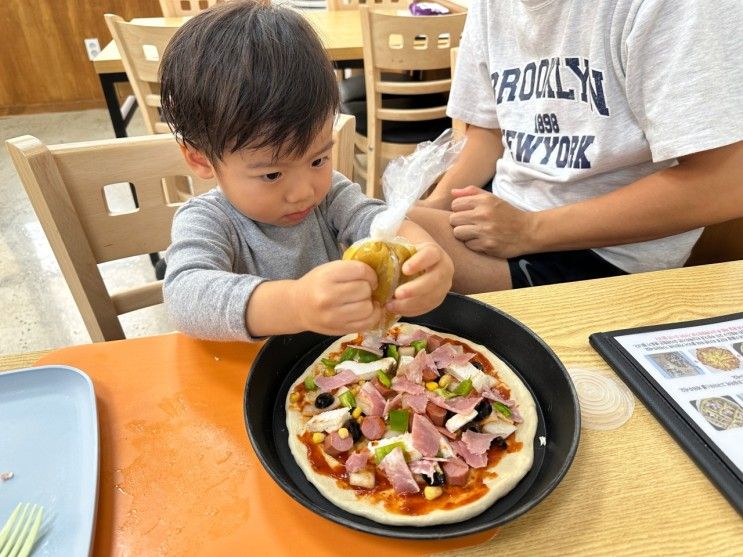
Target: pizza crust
(511, 468)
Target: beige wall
(43, 62)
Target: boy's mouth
(299, 216)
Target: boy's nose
(302, 190)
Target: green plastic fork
(19, 533)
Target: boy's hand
(427, 291)
(335, 298)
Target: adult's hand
(487, 224)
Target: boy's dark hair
(245, 74)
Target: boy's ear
(198, 162)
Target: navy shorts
(559, 266)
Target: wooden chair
(141, 48)
(393, 127)
(180, 8)
(718, 243)
(66, 185)
(459, 128)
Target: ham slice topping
(458, 405)
(392, 404)
(356, 461)
(450, 354)
(473, 460)
(396, 469)
(370, 400)
(425, 436)
(417, 403)
(404, 385)
(341, 379)
(477, 443)
(414, 370)
(424, 467)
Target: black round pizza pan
(283, 358)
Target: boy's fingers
(425, 256)
(357, 270)
(463, 192)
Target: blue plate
(49, 441)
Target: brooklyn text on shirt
(544, 79)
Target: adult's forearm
(705, 188)
(475, 164)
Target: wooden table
(631, 491)
(340, 32)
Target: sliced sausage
(373, 427)
(456, 472)
(436, 414)
(335, 445)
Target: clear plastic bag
(404, 180)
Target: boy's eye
(320, 162)
(272, 176)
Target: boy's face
(280, 192)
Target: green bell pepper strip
(444, 393)
(464, 388)
(419, 345)
(382, 452)
(347, 399)
(384, 379)
(502, 408)
(392, 352)
(399, 420)
(309, 383)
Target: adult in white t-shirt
(613, 130)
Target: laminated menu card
(690, 376)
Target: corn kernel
(431, 492)
(343, 433)
(294, 397)
(318, 437)
(328, 373)
(355, 389)
(361, 382)
(445, 380)
(359, 420)
(356, 412)
(432, 385)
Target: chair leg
(373, 164)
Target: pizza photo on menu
(414, 428)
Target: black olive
(354, 429)
(500, 443)
(473, 427)
(438, 479)
(385, 347)
(484, 409)
(449, 414)
(324, 400)
(477, 364)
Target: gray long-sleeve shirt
(218, 256)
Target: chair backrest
(718, 243)
(398, 43)
(355, 4)
(459, 128)
(67, 185)
(141, 48)
(179, 8)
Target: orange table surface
(178, 475)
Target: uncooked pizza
(413, 428)
(718, 358)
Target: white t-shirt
(592, 95)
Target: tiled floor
(37, 310)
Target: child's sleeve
(348, 211)
(204, 298)
(471, 99)
(683, 71)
